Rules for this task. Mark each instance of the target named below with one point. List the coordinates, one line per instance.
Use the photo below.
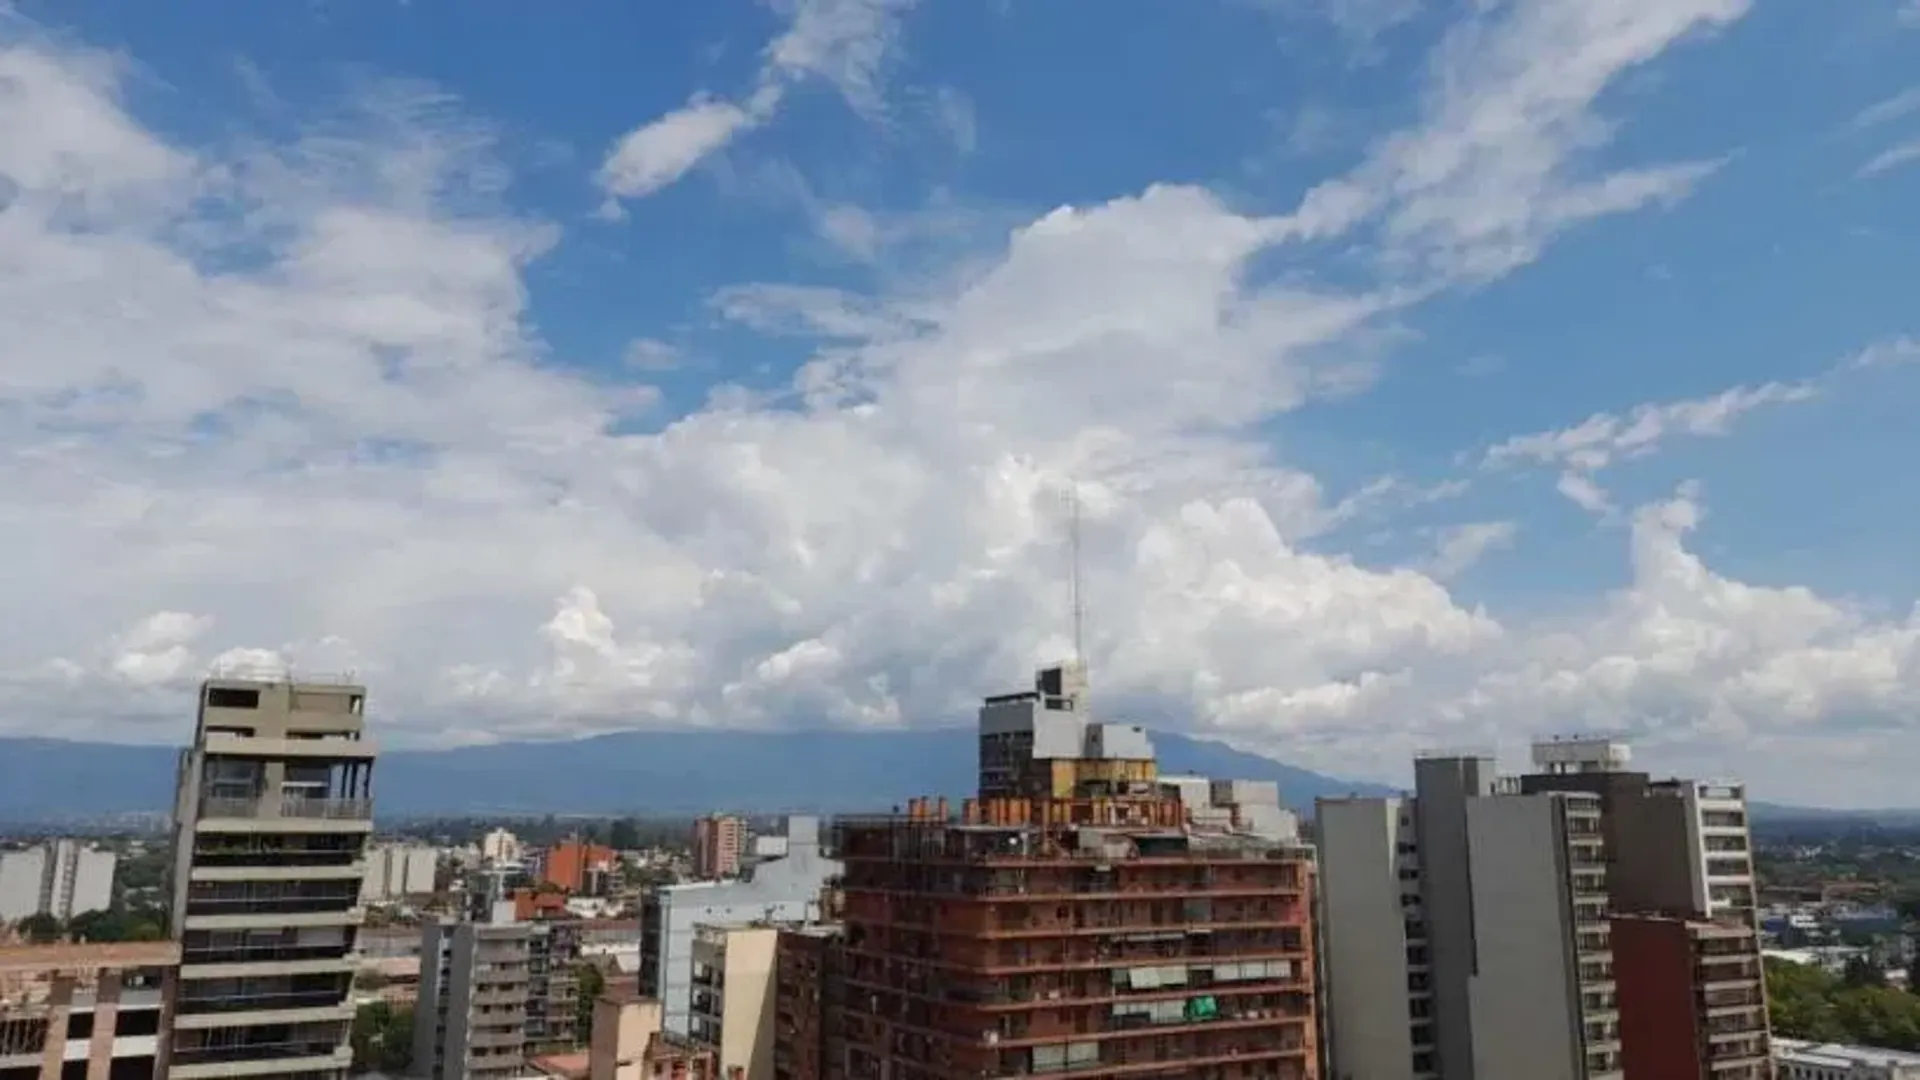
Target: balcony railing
(260, 1051)
(268, 905)
(231, 1003)
(288, 805)
(251, 954)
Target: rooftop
(1839, 1056)
(117, 956)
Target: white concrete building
(501, 846)
(395, 871)
(63, 878)
(785, 890)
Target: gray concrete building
(783, 890)
(1542, 992)
(62, 878)
(271, 823)
(470, 1020)
(1462, 934)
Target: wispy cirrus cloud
(843, 43)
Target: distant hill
(46, 780)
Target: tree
(1861, 971)
(1806, 1002)
(382, 1038)
(138, 924)
(40, 928)
(623, 835)
(592, 983)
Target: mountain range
(638, 772)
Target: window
(232, 697)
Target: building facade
(629, 1043)
(784, 890)
(97, 1011)
(1076, 919)
(470, 1022)
(1542, 992)
(553, 985)
(271, 826)
(1680, 879)
(808, 994)
(1081, 937)
(733, 996)
(63, 878)
(397, 871)
(1494, 902)
(579, 866)
(719, 844)
(1796, 1059)
(1689, 990)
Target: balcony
(255, 1051)
(261, 954)
(289, 809)
(268, 1002)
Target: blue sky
(1431, 372)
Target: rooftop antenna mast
(1079, 604)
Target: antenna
(1079, 605)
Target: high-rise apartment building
(1495, 903)
(62, 878)
(1071, 921)
(553, 985)
(719, 842)
(270, 833)
(1681, 892)
(1465, 933)
(1692, 1003)
(470, 1021)
(1542, 994)
(807, 997)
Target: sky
(1428, 375)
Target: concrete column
(163, 1047)
(59, 1010)
(106, 1013)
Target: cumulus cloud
(285, 405)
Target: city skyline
(1426, 377)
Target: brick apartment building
(579, 866)
(1075, 920)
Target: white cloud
(1892, 157)
(1887, 110)
(954, 113)
(1494, 169)
(1908, 14)
(1458, 547)
(1583, 450)
(286, 406)
(1599, 440)
(649, 158)
(842, 42)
